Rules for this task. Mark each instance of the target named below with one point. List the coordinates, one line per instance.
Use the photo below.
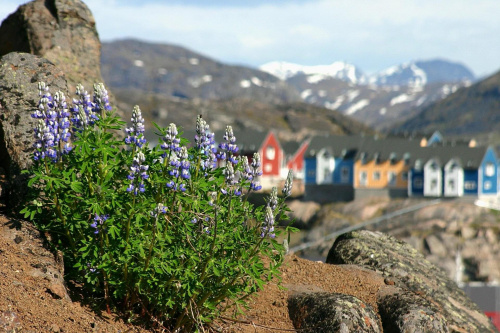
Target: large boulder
(423, 286)
(62, 31)
(19, 77)
(330, 312)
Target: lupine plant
(167, 231)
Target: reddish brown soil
(27, 303)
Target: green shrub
(166, 231)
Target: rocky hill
(474, 111)
(379, 100)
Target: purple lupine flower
(228, 148)
(101, 99)
(52, 130)
(255, 172)
(160, 209)
(98, 220)
(268, 225)
(179, 169)
(272, 202)
(204, 140)
(171, 141)
(83, 114)
(138, 173)
(287, 188)
(136, 132)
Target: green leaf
(77, 187)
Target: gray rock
(62, 31)
(408, 312)
(19, 77)
(331, 312)
(412, 273)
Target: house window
(268, 167)
(344, 174)
(404, 176)
(270, 153)
(487, 185)
(326, 173)
(470, 185)
(417, 183)
(489, 169)
(451, 185)
(434, 184)
(311, 173)
(363, 177)
(376, 175)
(391, 178)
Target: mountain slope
(378, 100)
(469, 111)
(178, 72)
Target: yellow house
(382, 165)
(380, 175)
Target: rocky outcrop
(426, 296)
(62, 31)
(19, 77)
(327, 312)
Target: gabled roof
(337, 145)
(467, 157)
(248, 140)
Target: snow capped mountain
(419, 73)
(337, 70)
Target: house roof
(467, 157)
(336, 145)
(370, 148)
(248, 140)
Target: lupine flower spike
(268, 225)
(228, 148)
(287, 188)
(136, 132)
(255, 172)
(171, 141)
(52, 131)
(82, 110)
(204, 140)
(101, 99)
(98, 220)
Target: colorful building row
(365, 166)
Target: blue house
(454, 171)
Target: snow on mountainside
(419, 73)
(377, 100)
(338, 70)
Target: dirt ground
(32, 301)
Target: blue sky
(371, 34)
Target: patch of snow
(420, 78)
(315, 78)
(352, 94)
(245, 83)
(138, 63)
(421, 100)
(403, 98)
(357, 106)
(194, 61)
(322, 93)
(383, 111)
(162, 71)
(335, 105)
(255, 80)
(338, 69)
(306, 93)
(198, 81)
